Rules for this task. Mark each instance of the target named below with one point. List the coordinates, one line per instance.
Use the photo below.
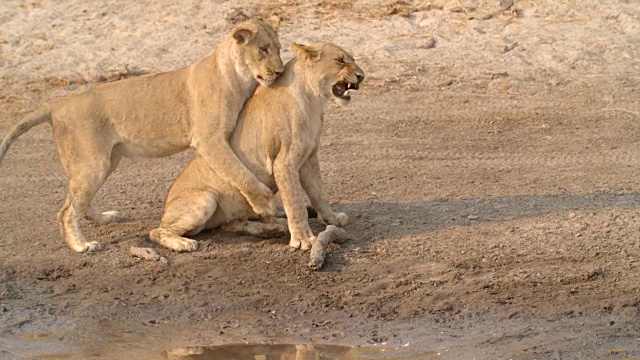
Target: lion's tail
(24, 126)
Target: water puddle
(50, 346)
(294, 352)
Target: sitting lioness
(277, 137)
(159, 115)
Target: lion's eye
(340, 61)
(264, 49)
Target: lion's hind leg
(106, 216)
(87, 169)
(254, 228)
(170, 239)
(88, 160)
(184, 215)
(68, 221)
(88, 165)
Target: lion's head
(334, 71)
(259, 49)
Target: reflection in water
(286, 352)
(52, 347)
(33, 336)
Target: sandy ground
(489, 165)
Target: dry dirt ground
(489, 165)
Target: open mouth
(343, 89)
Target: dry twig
(319, 247)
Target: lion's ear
(243, 34)
(274, 22)
(306, 52)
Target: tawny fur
(159, 115)
(277, 138)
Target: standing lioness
(277, 138)
(159, 115)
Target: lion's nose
(360, 77)
(278, 72)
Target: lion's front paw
(337, 219)
(111, 216)
(341, 219)
(184, 245)
(91, 246)
(262, 202)
(302, 244)
(105, 217)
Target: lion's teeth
(347, 92)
